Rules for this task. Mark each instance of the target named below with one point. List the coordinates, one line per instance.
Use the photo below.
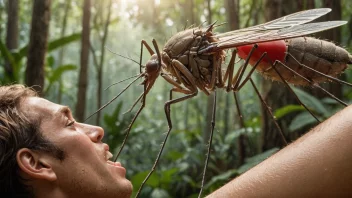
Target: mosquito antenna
(134, 104)
(157, 51)
(121, 55)
(121, 81)
(114, 98)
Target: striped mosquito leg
(168, 117)
(251, 72)
(320, 73)
(314, 84)
(151, 52)
(128, 130)
(269, 111)
(190, 94)
(289, 88)
(209, 145)
(241, 71)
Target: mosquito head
(153, 66)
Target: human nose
(95, 133)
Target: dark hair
(16, 132)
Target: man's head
(43, 150)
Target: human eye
(70, 123)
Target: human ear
(35, 165)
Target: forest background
(67, 50)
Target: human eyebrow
(64, 110)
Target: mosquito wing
(290, 26)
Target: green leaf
(9, 57)
(153, 181)
(221, 179)
(57, 73)
(302, 120)
(311, 102)
(50, 61)
(253, 161)
(281, 112)
(174, 155)
(6, 53)
(52, 45)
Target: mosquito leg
(289, 88)
(314, 84)
(251, 72)
(151, 52)
(241, 71)
(229, 71)
(134, 104)
(241, 151)
(128, 130)
(209, 145)
(269, 111)
(320, 73)
(240, 115)
(214, 73)
(331, 95)
(168, 117)
(190, 93)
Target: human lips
(116, 165)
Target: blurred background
(62, 49)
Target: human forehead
(40, 107)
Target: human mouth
(118, 165)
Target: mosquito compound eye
(152, 66)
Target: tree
(38, 44)
(83, 73)
(233, 10)
(11, 33)
(333, 35)
(100, 63)
(276, 94)
(67, 4)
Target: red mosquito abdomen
(319, 55)
(276, 50)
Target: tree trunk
(276, 94)
(67, 4)
(99, 65)
(38, 44)
(11, 33)
(233, 10)
(83, 73)
(209, 12)
(333, 35)
(305, 4)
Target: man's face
(85, 171)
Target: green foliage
(16, 59)
(115, 125)
(7, 55)
(179, 171)
(281, 112)
(54, 75)
(253, 161)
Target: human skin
(84, 172)
(319, 164)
